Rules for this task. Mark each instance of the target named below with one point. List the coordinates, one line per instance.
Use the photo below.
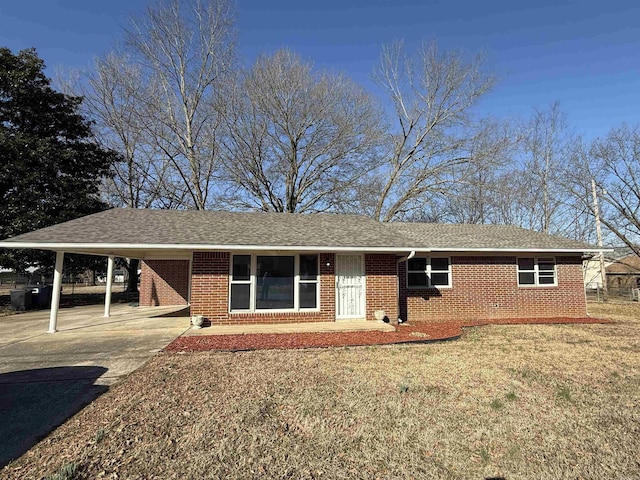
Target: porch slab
(309, 327)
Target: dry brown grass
(550, 401)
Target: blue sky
(585, 54)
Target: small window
(241, 282)
(425, 272)
(241, 267)
(440, 272)
(308, 282)
(537, 271)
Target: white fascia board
(519, 250)
(107, 247)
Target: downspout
(408, 257)
(400, 260)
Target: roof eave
(520, 250)
(114, 247)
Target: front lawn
(524, 401)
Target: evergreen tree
(50, 169)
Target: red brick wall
(487, 287)
(164, 282)
(210, 293)
(210, 285)
(382, 285)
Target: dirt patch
(406, 333)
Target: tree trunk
(132, 269)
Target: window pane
(241, 267)
(417, 279)
(439, 279)
(546, 266)
(308, 267)
(417, 263)
(439, 264)
(274, 282)
(308, 293)
(526, 278)
(546, 279)
(525, 264)
(240, 296)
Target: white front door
(350, 286)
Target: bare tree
(111, 92)
(156, 104)
(184, 52)
(432, 97)
(479, 194)
(613, 163)
(298, 140)
(546, 149)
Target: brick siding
(486, 287)
(164, 282)
(483, 287)
(210, 293)
(382, 285)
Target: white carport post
(55, 298)
(107, 293)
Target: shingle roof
(189, 227)
(177, 228)
(469, 237)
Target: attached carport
(46, 239)
(109, 251)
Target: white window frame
(428, 272)
(299, 281)
(242, 282)
(253, 283)
(536, 272)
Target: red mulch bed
(419, 332)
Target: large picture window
(426, 272)
(274, 277)
(533, 271)
(274, 282)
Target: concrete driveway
(46, 378)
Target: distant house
(592, 274)
(624, 272)
(273, 268)
(119, 276)
(9, 276)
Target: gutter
(112, 247)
